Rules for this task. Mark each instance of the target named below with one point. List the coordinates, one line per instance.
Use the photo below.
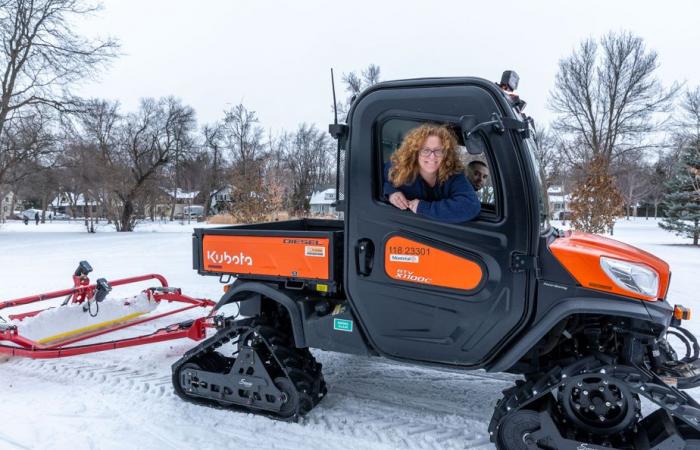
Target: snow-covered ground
(123, 399)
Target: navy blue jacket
(455, 200)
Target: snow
(123, 399)
(78, 226)
(72, 317)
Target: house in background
(322, 201)
(74, 205)
(221, 201)
(558, 203)
(183, 203)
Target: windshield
(543, 204)
(532, 151)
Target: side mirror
(473, 143)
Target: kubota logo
(220, 258)
(403, 274)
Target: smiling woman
(426, 177)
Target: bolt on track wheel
(599, 404)
(515, 431)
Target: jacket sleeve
(387, 188)
(460, 205)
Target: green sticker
(342, 325)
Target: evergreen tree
(682, 201)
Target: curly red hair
(404, 161)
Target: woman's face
(430, 155)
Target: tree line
(620, 138)
(128, 162)
(52, 142)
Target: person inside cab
(426, 177)
(478, 173)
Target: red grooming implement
(90, 296)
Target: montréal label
(404, 258)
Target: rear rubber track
(273, 378)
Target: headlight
(632, 277)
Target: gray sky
(275, 56)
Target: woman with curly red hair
(427, 177)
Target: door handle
(364, 256)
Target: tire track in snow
(11, 444)
(353, 407)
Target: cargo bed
(301, 253)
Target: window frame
(453, 122)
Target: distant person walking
(36, 218)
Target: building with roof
(322, 202)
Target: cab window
(482, 171)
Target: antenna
(335, 105)
(338, 131)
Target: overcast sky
(275, 57)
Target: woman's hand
(399, 200)
(413, 205)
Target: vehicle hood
(580, 254)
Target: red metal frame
(82, 291)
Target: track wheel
(294, 402)
(183, 379)
(599, 404)
(515, 433)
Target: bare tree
(95, 157)
(243, 136)
(212, 135)
(548, 159)
(133, 150)
(634, 178)
(605, 96)
(181, 128)
(309, 158)
(41, 58)
(687, 123)
(278, 172)
(356, 83)
(27, 144)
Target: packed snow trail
(370, 404)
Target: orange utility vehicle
(583, 318)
